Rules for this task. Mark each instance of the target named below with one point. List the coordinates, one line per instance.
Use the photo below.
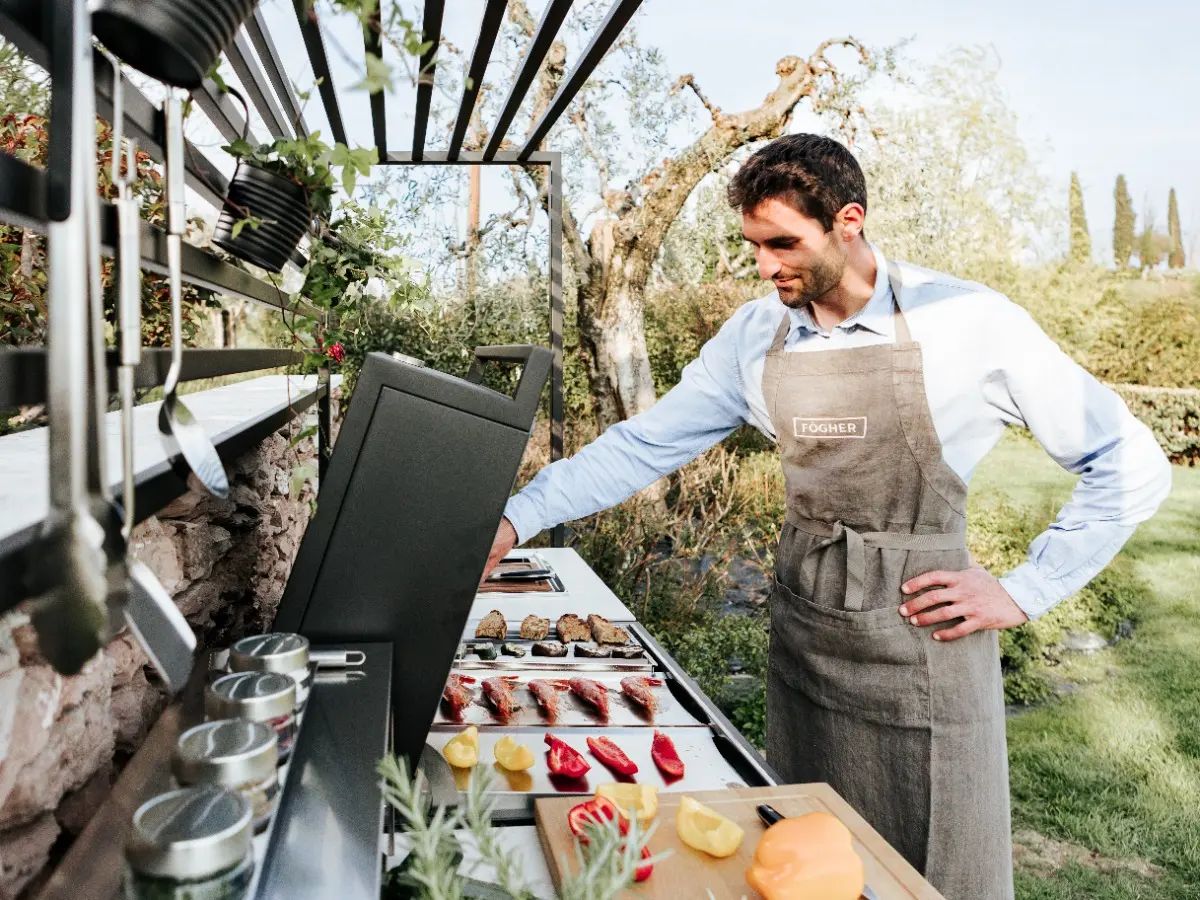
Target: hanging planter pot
(173, 41)
(281, 203)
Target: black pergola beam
(241, 57)
(314, 44)
(373, 44)
(222, 111)
(489, 28)
(431, 34)
(442, 158)
(23, 369)
(610, 29)
(552, 19)
(260, 37)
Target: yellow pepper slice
(632, 799)
(707, 831)
(513, 756)
(462, 750)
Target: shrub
(999, 535)
(1173, 414)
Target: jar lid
(196, 832)
(269, 653)
(227, 752)
(257, 696)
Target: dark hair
(814, 174)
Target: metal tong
(68, 571)
(150, 612)
(176, 423)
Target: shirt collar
(876, 316)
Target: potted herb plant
(277, 191)
(174, 41)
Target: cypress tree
(1175, 259)
(1081, 240)
(1122, 225)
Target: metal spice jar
(190, 844)
(234, 754)
(286, 653)
(268, 697)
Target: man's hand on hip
(506, 539)
(973, 595)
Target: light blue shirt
(987, 366)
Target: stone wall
(63, 740)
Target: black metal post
(557, 411)
(324, 424)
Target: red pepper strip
(596, 811)
(665, 756)
(565, 760)
(605, 750)
(644, 872)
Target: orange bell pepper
(809, 857)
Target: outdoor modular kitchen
(260, 778)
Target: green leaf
(303, 435)
(378, 77)
(238, 226)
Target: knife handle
(769, 814)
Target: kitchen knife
(770, 815)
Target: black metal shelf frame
(156, 487)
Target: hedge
(1173, 414)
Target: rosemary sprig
(606, 865)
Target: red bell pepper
(665, 756)
(565, 760)
(598, 810)
(605, 750)
(644, 872)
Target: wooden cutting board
(689, 873)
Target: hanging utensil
(150, 612)
(175, 421)
(68, 570)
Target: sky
(1097, 87)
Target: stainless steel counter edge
(722, 727)
(324, 840)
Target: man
(884, 385)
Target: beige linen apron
(909, 730)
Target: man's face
(795, 252)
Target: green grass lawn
(1114, 768)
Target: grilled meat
(627, 652)
(499, 692)
(456, 693)
(512, 650)
(534, 628)
(492, 626)
(638, 689)
(605, 632)
(572, 628)
(593, 692)
(546, 694)
(549, 648)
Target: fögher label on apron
(851, 427)
(909, 730)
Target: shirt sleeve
(1124, 476)
(705, 406)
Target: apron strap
(896, 280)
(781, 334)
(856, 549)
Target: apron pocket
(870, 664)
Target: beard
(815, 281)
